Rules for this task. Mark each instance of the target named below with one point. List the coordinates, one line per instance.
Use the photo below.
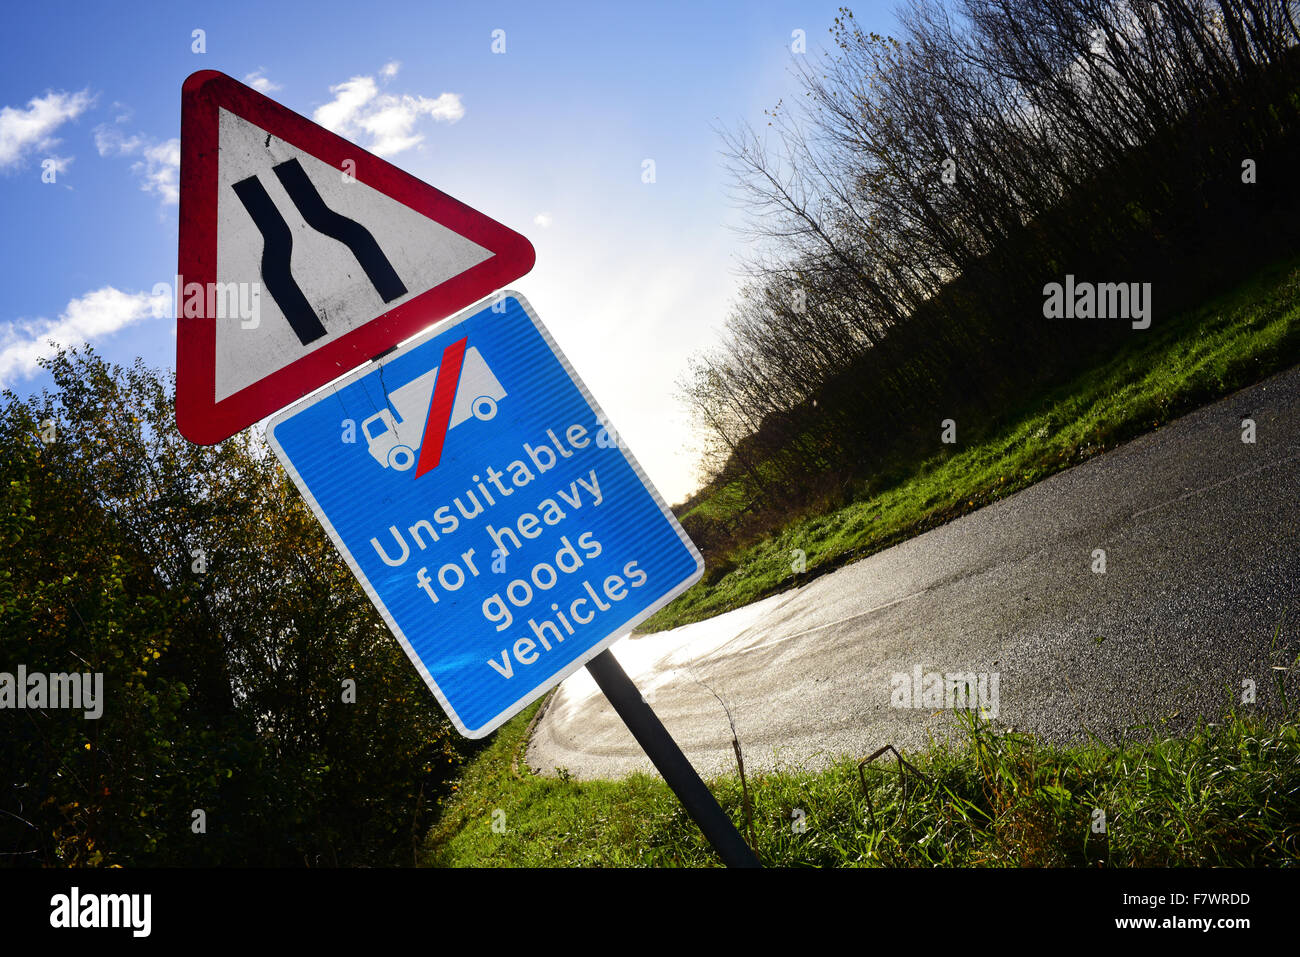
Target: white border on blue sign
(615, 634)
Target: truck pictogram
(394, 440)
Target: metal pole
(672, 764)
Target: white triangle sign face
(302, 256)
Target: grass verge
(1177, 365)
(1227, 794)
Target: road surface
(1202, 539)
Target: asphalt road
(1202, 538)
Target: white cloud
(258, 81)
(95, 315)
(159, 165)
(25, 131)
(110, 141)
(349, 99)
(392, 123)
(543, 219)
(160, 170)
(387, 120)
(389, 69)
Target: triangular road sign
(302, 256)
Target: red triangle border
(205, 421)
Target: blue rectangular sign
(488, 508)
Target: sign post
(655, 740)
(478, 493)
(499, 524)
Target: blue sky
(548, 138)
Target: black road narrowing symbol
(277, 244)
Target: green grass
(1228, 794)
(1177, 365)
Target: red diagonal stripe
(444, 396)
